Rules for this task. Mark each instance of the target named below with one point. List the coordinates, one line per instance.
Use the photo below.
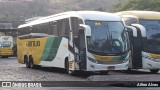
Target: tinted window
(130, 20)
(107, 37)
(153, 35)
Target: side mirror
(142, 29)
(133, 29)
(87, 29)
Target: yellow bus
(146, 46)
(76, 40)
(6, 46)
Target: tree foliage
(149, 5)
(20, 10)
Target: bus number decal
(33, 44)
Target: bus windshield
(153, 35)
(107, 37)
(5, 44)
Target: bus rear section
(39, 49)
(6, 46)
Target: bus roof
(142, 14)
(84, 15)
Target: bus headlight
(127, 58)
(146, 55)
(92, 60)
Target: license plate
(111, 67)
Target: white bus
(146, 46)
(76, 40)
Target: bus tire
(31, 62)
(70, 72)
(129, 70)
(32, 65)
(26, 62)
(104, 72)
(4, 56)
(154, 70)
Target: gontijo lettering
(33, 43)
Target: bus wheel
(104, 72)
(32, 65)
(4, 56)
(31, 62)
(27, 62)
(154, 70)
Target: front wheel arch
(70, 72)
(154, 70)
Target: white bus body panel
(91, 66)
(59, 59)
(100, 67)
(150, 63)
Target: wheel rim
(27, 64)
(31, 62)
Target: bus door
(80, 43)
(136, 47)
(131, 37)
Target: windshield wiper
(110, 41)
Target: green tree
(100, 9)
(149, 5)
